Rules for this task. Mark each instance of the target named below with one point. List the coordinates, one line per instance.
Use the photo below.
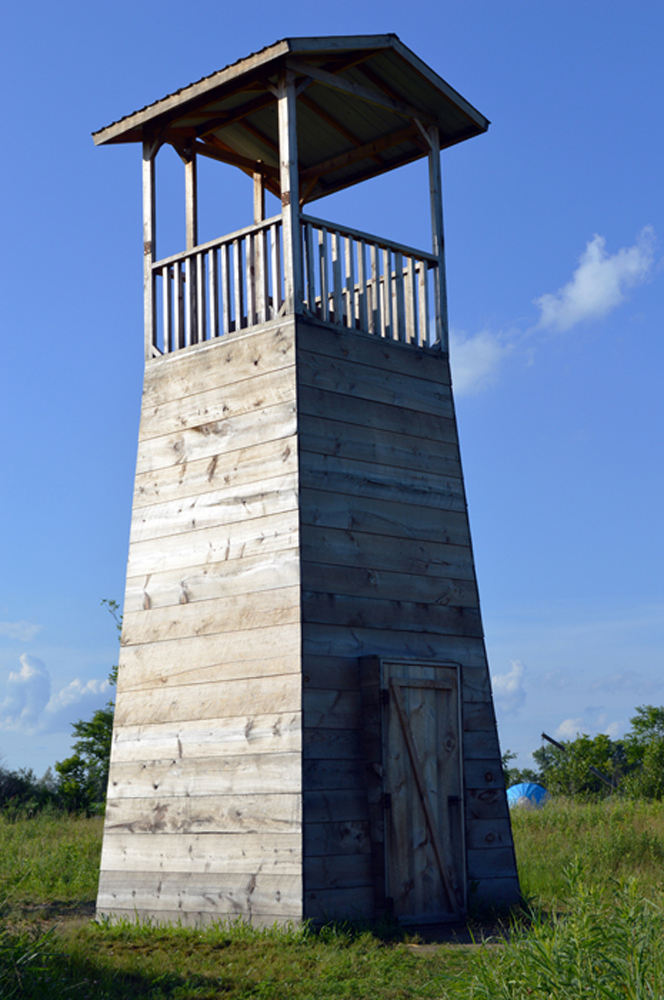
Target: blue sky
(554, 224)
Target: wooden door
(424, 864)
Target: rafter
(360, 153)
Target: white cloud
(599, 283)
(629, 681)
(24, 631)
(569, 729)
(475, 360)
(508, 689)
(27, 704)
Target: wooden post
(290, 200)
(191, 196)
(259, 196)
(438, 239)
(149, 245)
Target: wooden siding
(387, 572)
(204, 816)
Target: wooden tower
(304, 724)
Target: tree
(569, 771)
(83, 777)
(644, 747)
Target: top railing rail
(351, 279)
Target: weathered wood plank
(476, 685)
(386, 586)
(362, 549)
(332, 806)
(210, 700)
(327, 744)
(270, 733)
(485, 804)
(261, 609)
(479, 716)
(247, 394)
(344, 837)
(244, 774)
(270, 534)
(331, 709)
(378, 613)
(257, 462)
(217, 437)
(366, 382)
(353, 409)
(489, 833)
(212, 853)
(374, 352)
(337, 872)
(191, 918)
(354, 903)
(480, 745)
(331, 774)
(233, 895)
(497, 892)
(334, 640)
(398, 450)
(219, 363)
(337, 672)
(216, 580)
(254, 653)
(480, 774)
(493, 862)
(326, 472)
(205, 814)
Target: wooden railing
(350, 279)
(229, 284)
(367, 283)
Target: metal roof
(361, 105)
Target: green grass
(593, 873)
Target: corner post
(438, 238)
(290, 197)
(149, 245)
(191, 195)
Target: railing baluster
(411, 302)
(309, 264)
(237, 284)
(178, 293)
(350, 283)
(259, 271)
(336, 277)
(250, 262)
(201, 313)
(400, 312)
(423, 303)
(362, 284)
(167, 317)
(276, 271)
(374, 323)
(387, 294)
(225, 288)
(213, 278)
(324, 299)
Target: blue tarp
(527, 794)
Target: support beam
(149, 244)
(191, 194)
(259, 195)
(438, 239)
(290, 203)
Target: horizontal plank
(480, 745)
(485, 804)
(245, 774)
(319, 773)
(398, 555)
(272, 423)
(246, 539)
(247, 393)
(489, 833)
(218, 363)
(476, 685)
(381, 482)
(193, 918)
(264, 460)
(223, 507)
(271, 733)
(231, 895)
(209, 814)
(236, 698)
(389, 356)
(377, 613)
(347, 903)
(496, 893)
(479, 716)
(337, 672)
(210, 659)
(398, 450)
(337, 871)
(395, 517)
(331, 709)
(212, 853)
(334, 805)
(353, 409)
(496, 862)
(486, 773)
(344, 837)
(383, 585)
(212, 580)
(337, 640)
(326, 744)
(260, 609)
(371, 383)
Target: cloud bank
(599, 283)
(23, 631)
(509, 692)
(28, 705)
(475, 360)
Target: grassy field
(594, 927)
